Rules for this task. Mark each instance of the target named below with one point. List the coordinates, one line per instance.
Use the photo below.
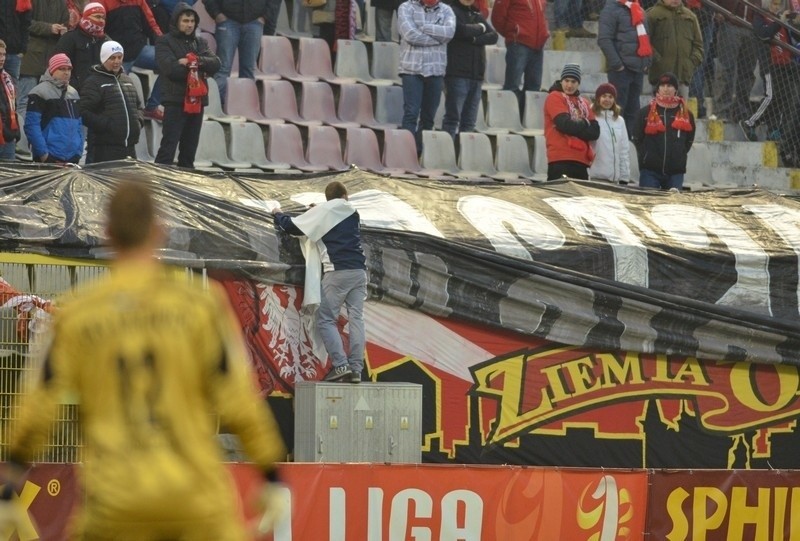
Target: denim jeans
(348, 288)
(654, 179)
(147, 60)
(273, 11)
(12, 65)
(524, 63)
(8, 151)
(461, 100)
(421, 97)
(629, 87)
(231, 36)
(383, 24)
(568, 13)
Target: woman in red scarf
(663, 136)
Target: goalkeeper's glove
(275, 502)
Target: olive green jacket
(676, 40)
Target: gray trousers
(348, 288)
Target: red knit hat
(93, 7)
(605, 88)
(59, 60)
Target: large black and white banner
(712, 275)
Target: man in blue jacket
(53, 120)
(333, 232)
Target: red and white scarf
(637, 19)
(655, 125)
(97, 30)
(11, 95)
(578, 109)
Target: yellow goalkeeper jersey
(153, 359)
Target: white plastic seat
(247, 145)
(213, 111)
(400, 153)
(512, 160)
(314, 58)
(352, 61)
(212, 147)
(540, 155)
(389, 105)
(142, 148)
(355, 105)
(534, 111)
(495, 75)
(384, 62)
(439, 152)
(475, 157)
(502, 113)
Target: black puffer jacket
(110, 108)
(14, 27)
(664, 152)
(466, 57)
(618, 39)
(175, 45)
(84, 52)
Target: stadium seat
(437, 121)
(142, 148)
(385, 59)
(286, 145)
(325, 148)
(475, 157)
(137, 85)
(361, 150)
(247, 145)
(389, 105)
(244, 102)
(698, 164)
(317, 103)
(280, 101)
(534, 111)
(512, 160)
(314, 58)
(352, 61)
(502, 113)
(23, 148)
(212, 147)
(355, 105)
(634, 164)
(154, 137)
(284, 28)
(540, 155)
(213, 111)
(400, 153)
(495, 75)
(439, 152)
(276, 60)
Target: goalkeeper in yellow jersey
(152, 358)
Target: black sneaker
(337, 373)
(355, 376)
(749, 131)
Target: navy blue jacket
(342, 242)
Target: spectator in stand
(53, 120)
(74, 9)
(110, 108)
(663, 136)
(9, 126)
(625, 44)
(240, 25)
(612, 149)
(82, 45)
(50, 19)
(677, 42)
(569, 127)
(132, 24)
(384, 12)
(777, 68)
(735, 73)
(569, 18)
(426, 26)
(185, 61)
(705, 16)
(15, 20)
(466, 64)
(523, 25)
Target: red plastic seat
(317, 103)
(325, 148)
(314, 58)
(286, 145)
(243, 101)
(355, 105)
(279, 101)
(276, 60)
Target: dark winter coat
(110, 108)
(53, 121)
(664, 152)
(241, 11)
(175, 45)
(131, 23)
(14, 27)
(84, 52)
(42, 41)
(618, 39)
(466, 54)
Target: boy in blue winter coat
(53, 122)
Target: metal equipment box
(366, 422)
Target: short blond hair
(131, 214)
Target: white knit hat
(109, 49)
